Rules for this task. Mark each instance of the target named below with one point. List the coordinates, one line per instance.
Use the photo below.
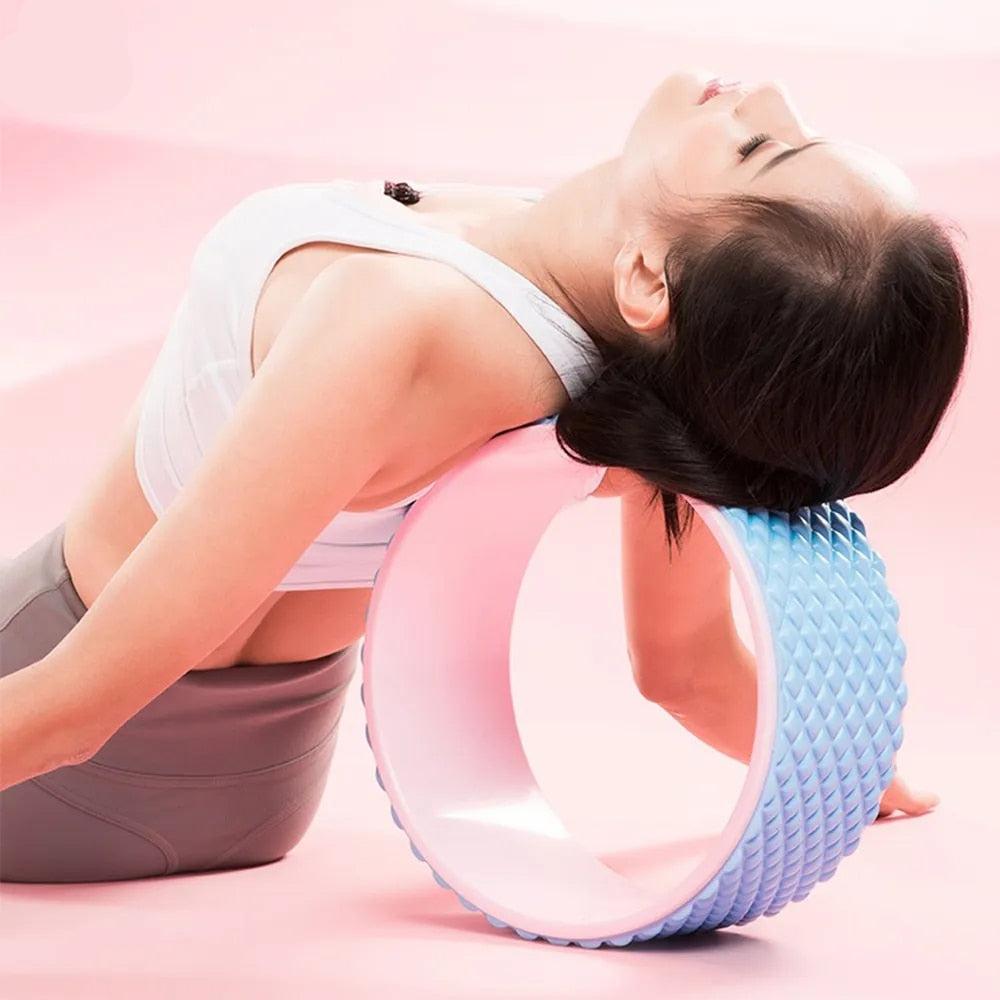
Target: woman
(733, 308)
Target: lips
(717, 86)
(711, 89)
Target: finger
(907, 799)
(891, 797)
(888, 804)
(911, 803)
(916, 804)
(898, 795)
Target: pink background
(128, 127)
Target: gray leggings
(223, 769)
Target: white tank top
(205, 361)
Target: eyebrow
(784, 155)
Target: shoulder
(418, 304)
(470, 356)
(411, 291)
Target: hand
(899, 796)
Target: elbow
(661, 679)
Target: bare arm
(314, 425)
(686, 653)
(676, 606)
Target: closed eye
(753, 143)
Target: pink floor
(129, 151)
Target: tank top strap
(358, 221)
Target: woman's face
(678, 148)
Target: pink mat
(157, 121)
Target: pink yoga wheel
(441, 723)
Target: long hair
(810, 355)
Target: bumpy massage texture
(440, 719)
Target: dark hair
(810, 354)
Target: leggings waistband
(222, 721)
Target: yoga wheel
(440, 716)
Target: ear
(640, 291)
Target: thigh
(87, 823)
(223, 769)
(97, 821)
(38, 603)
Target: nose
(769, 103)
(771, 92)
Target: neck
(566, 245)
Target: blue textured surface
(839, 659)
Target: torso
(110, 519)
